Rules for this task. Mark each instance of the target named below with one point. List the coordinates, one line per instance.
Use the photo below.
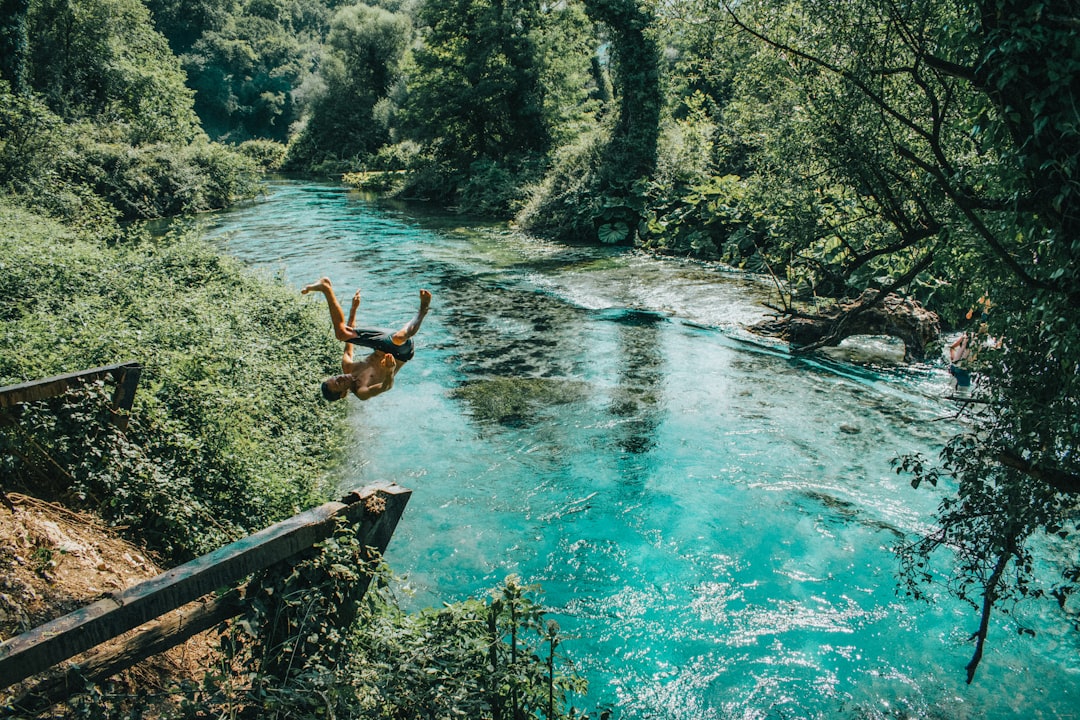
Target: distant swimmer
(391, 350)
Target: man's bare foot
(425, 299)
(322, 285)
(356, 299)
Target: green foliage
(90, 171)
(489, 91)
(365, 50)
(183, 22)
(230, 363)
(566, 202)
(566, 46)
(154, 181)
(14, 46)
(595, 191)
(635, 52)
(493, 658)
(267, 154)
(244, 74)
(704, 221)
(475, 90)
(307, 647)
(102, 60)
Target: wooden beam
(64, 637)
(107, 660)
(374, 532)
(59, 384)
(127, 380)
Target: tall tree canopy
(103, 60)
(360, 67)
(475, 92)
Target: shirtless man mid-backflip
(391, 350)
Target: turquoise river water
(710, 519)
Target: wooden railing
(375, 511)
(203, 593)
(126, 375)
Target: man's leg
(337, 315)
(413, 325)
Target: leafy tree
(950, 132)
(597, 187)
(474, 92)
(183, 22)
(476, 89)
(636, 56)
(571, 91)
(245, 73)
(102, 60)
(362, 63)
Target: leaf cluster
(88, 174)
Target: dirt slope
(54, 561)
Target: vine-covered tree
(595, 190)
(13, 43)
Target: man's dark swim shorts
(382, 340)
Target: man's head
(337, 387)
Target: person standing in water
(374, 374)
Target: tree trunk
(869, 314)
(14, 44)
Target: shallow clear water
(710, 519)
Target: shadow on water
(638, 392)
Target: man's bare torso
(373, 374)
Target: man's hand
(352, 311)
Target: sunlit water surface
(711, 520)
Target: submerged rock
(514, 401)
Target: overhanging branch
(1060, 480)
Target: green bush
(310, 650)
(228, 433)
(161, 180)
(267, 154)
(492, 189)
(564, 205)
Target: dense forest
(854, 152)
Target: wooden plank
(58, 384)
(375, 530)
(107, 660)
(64, 637)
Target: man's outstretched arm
(347, 365)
